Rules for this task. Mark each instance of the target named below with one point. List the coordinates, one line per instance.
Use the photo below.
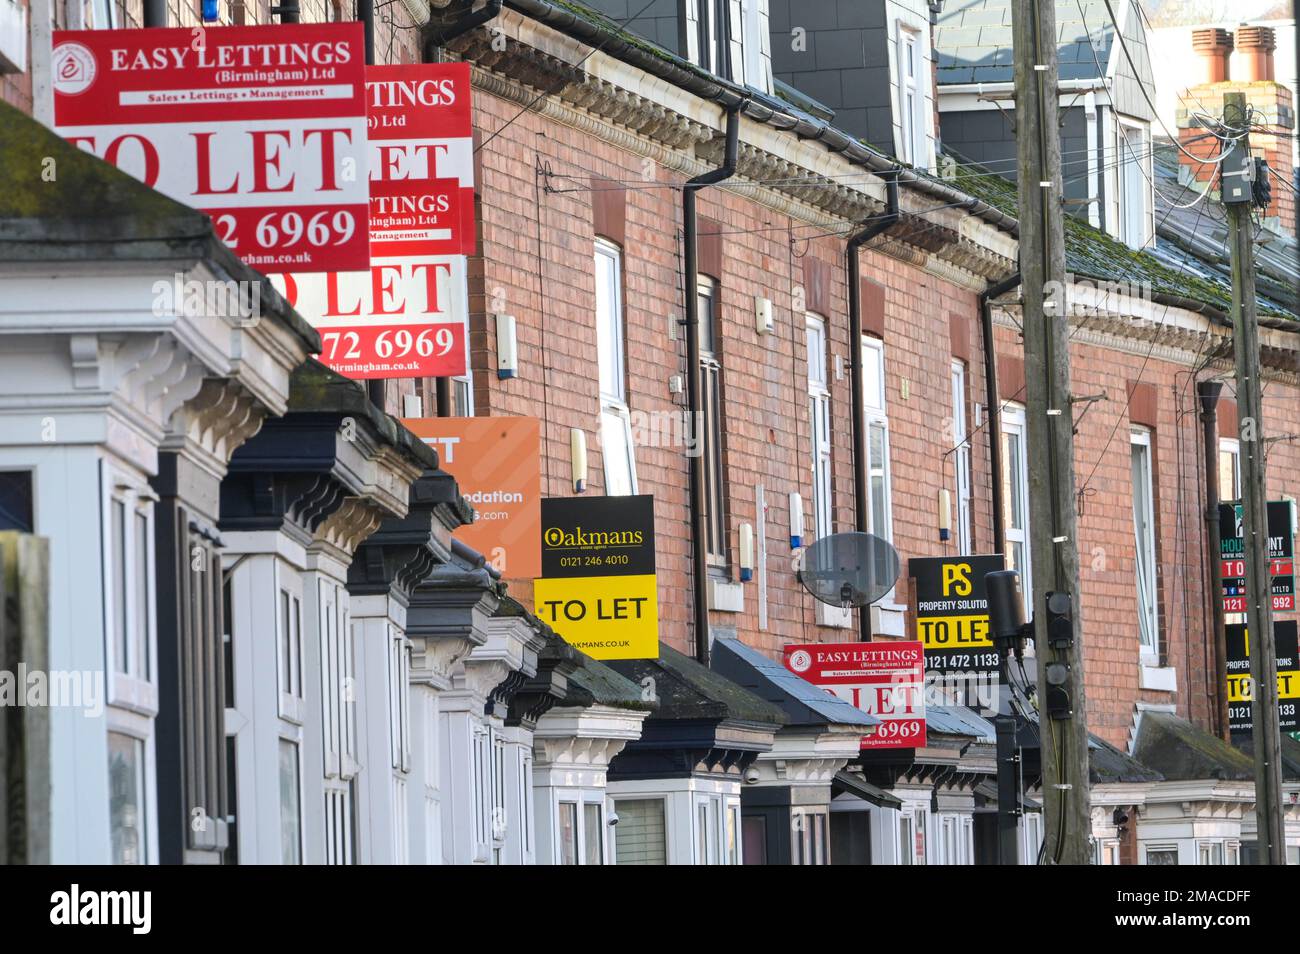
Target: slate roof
(1180, 751)
(959, 720)
(802, 702)
(1290, 753)
(972, 40)
(1092, 253)
(1195, 238)
(1105, 762)
(686, 690)
(93, 212)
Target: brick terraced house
(841, 327)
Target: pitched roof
(972, 40)
(1180, 751)
(803, 702)
(1092, 253)
(686, 690)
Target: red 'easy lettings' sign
(261, 127)
(884, 679)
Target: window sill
(726, 597)
(887, 619)
(1158, 678)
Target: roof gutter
(729, 96)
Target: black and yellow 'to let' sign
(598, 586)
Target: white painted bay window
(641, 837)
(615, 420)
(128, 557)
(1144, 532)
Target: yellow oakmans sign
(598, 588)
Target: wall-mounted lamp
(746, 552)
(507, 347)
(945, 515)
(796, 521)
(578, 458)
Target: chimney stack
(1256, 45)
(1214, 47)
(1270, 103)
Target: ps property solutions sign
(1240, 683)
(952, 612)
(598, 575)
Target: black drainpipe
(699, 542)
(1208, 393)
(155, 13)
(994, 404)
(860, 498)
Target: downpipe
(994, 404)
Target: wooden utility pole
(1054, 602)
(1266, 732)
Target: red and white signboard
(261, 127)
(884, 679)
(408, 315)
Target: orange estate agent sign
(497, 463)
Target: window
(289, 633)
(706, 831)
(906, 840)
(568, 833)
(733, 835)
(1134, 184)
(1229, 469)
(462, 395)
(819, 415)
(1032, 831)
(290, 805)
(1162, 855)
(399, 701)
(710, 432)
(911, 97)
(129, 529)
(337, 680)
(758, 45)
(948, 846)
(1232, 854)
(16, 501)
(593, 832)
(126, 794)
(641, 835)
(1209, 853)
(1015, 496)
(615, 422)
(879, 513)
(961, 458)
(1144, 531)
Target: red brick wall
(767, 433)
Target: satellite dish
(849, 569)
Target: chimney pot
(1214, 47)
(1256, 45)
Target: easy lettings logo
(74, 68)
(577, 538)
(75, 907)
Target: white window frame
(1148, 589)
(289, 685)
(707, 829)
(819, 417)
(615, 417)
(961, 459)
(611, 840)
(1230, 447)
(1017, 484)
(1134, 172)
(711, 415)
(909, 91)
(758, 45)
(462, 394)
(877, 419)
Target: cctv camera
(751, 776)
(613, 819)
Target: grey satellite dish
(849, 569)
